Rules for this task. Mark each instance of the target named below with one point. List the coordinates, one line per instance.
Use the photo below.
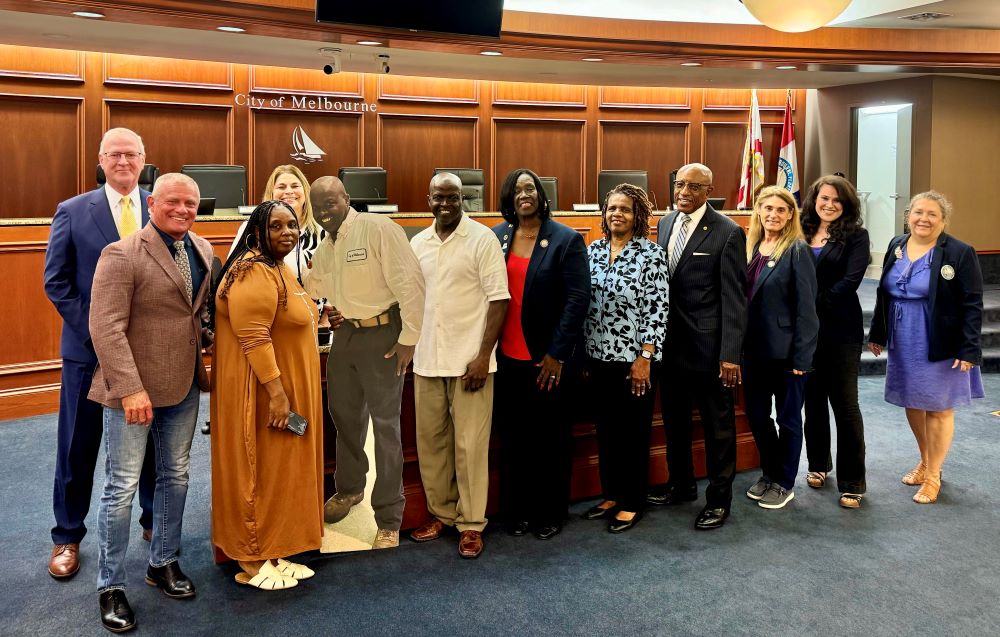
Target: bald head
(692, 187)
(445, 179)
(330, 202)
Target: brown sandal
(928, 493)
(816, 479)
(916, 476)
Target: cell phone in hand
(297, 423)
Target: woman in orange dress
(267, 482)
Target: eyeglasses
(118, 156)
(693, 186)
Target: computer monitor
(365, 185)
(719, 203)
(226, 184)
(206, 206)
(608, 179)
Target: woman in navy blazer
(549, 281)
(831, 221)
(782, 329)
(929, 314)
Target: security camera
(333, 55)
(383, 63)
(329, 69)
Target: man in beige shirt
(366, 269)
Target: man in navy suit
(81, 228)
(706, 257)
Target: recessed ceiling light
(690, 63)
(786, 67)
(369, 42)
(88, 14)
(231, 29)
(593, 59)
(493, 53)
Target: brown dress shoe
(430, 531)
(65, 561)
(470, 544)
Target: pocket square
(701, 254)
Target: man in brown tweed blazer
(149, 294)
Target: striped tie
(127, 225)
(682, 234)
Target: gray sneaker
(775, 497)
(757, 490)
(337, 507)
(386, 539)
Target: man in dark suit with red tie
(706, 256)
(81, 228)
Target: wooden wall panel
(550, 147)
(338, 134)
(274, 79)
(531, 94)
(33, 341)
(644, 97)
(41, 141)
(411, 146)
(177, 134)
(427, 89)
(740, 98)
(719, 139)
(136, 70)
(41, 64)
(656, 147)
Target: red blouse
(512, 343)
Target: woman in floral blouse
(624, 332)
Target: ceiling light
(786, 67)
(88, 14)
(491, 53)
(925, 16)
(593, 59)
(795, 17)
(231, 29)
(369, 43)
(690, 63)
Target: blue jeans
(125, 447)
(764, 380)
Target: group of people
(507, 323)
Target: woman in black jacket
(549, 281)
(831, 222)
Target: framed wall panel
(338, 135)
(550, 147)
(176, 134)
(644, 97)
(41, 64)
(42, 142)
(135, 70)
(29, 345)
(410, 147)
(722, 148)
(274, 79)
(427, 89)
(656, 147)
(531, 94)
(726, 99)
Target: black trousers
(835, 381)
(536, 443)
(623, 421)
(681, 390)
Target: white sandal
(267, 579)
(294, 570)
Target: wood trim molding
(382, 95)
(108, 102)
(601, 123)
(740, 107)
(417, 116)
(255, 88)
(108, 79)
(530, 103)
(633, 106)
(543, 120)
(741, 124)
(81, 179)
(78, 76)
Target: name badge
(358, 254)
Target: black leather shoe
(620, 526)
(711, 518)
(548, 532)
(170, 580)
(597, 513)
(673, 495)
(517, 529)
(116, 614)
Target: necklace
(526, 235)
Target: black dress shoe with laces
(116, 614)
(517, 529)
(597, 513)
(548, 532)
(670, 495)
(711, 518)
(620, 526)
(170, 580)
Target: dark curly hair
(641, 206)
(847, 223)
(507, 207)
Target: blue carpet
(891, 568)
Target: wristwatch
(648, 355)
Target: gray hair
(702, 167)
(936, 197)
(170, 179)
(114, 132)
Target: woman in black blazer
(831, 222)
(549, 281)
(780, 341)
(929, 314)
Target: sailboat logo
(305, 148)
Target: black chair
(147, 177)
(473, 186)
(365, 185)
(608, 179)
(551, 187)
(224, 183)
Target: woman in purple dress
(929, 314)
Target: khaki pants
(453, 446)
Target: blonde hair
(792, 231)
(936, 197)
(307, 222)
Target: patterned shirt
(628, 300)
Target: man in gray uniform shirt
(367, 270)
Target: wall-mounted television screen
(480, 18)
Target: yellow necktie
(127, 225)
